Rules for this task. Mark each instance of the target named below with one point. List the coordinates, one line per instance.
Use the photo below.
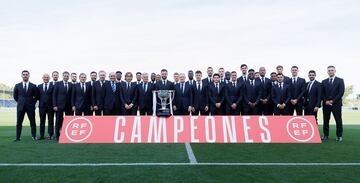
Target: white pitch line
(191, 154)
(168, 164)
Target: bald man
(46, 107)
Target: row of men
(215, 95)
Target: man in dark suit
(62, 101)
(73, 78)
(265, 105)
(112, 98)
(81, 97)
(191, 77)
(280, 70)
(234, 95)
(153, 78)
(145, 95)
(182, 104)
(297, 89)
(55, 77)
(273, 79)
(164, 84)
(244, 71)
(333, 90)
(252, 94)
(98, 94)
(280, 96)
(46, 107)
(312, 95)
(93, 77)
(200, 96)
(118, 76)
(26, 95)
(217, 92)
(138, 78)
(129, 95)
(208, 80)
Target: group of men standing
(221, 93)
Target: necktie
(113, 86)
(199, 88)
(83, 87)
(217, 88)
(233, 84)
(101, 83)
(252, 82)
(281, 86)
(45, 87)
(182, 88)
(163, 82)
(263, 80)
(294, 80)
(25, 89)
(244, 78)
(128, 86)
(145, 87)
(66, 86)
(331, 81)
(309, 86)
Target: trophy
(166, 97)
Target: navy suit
(200, 98)
(98, 96)
(207, 81)
(312, 98)
(112, 99)
(81, 99)
(183, 98)
(46, 108)
(91, 83)
(234, 95)
(281, 96)
(129, 96)
(333, 91)
(252, 94)
(145, 98)
(26, 100)
(266, 86)
(62, 100)
(297, 90)
(217, 96)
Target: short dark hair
(243, 65)
(251, 70)
(222, 68)
(209, 68)
(279, 66)
(296, 67)
(66, 72)
(216, 74)
(138, 73)
(272, 73)
(54, 72)
(73, 73)
(164, 70)
(93, 72)
(279, 74)
(118, 72)
(312, 71)
(25, 71)
(198, 72)
(233, 72)
(331, 66)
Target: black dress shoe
(50, 138)
(34, 138)
(17, 140)
(325, 138)
(41, 138)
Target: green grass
(28, 151)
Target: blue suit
(98, 96)
(46, 109)
(281, 96)
(129, 96)
(81, 98)
(252, 94)
(234, 95)
(112, 99)
(217, 96)
(312, 96)
(200, 98)
(145, 98)
(297, 90)
(183, 98)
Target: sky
(141, 35)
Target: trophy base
(164, 113)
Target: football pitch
(47, 161)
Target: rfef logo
(300, 129)
(78, 129)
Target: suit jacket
(98, 94)
(183, 100)
(241, 79)
(61, 96)
(145, 99)
(206, 81)
(280, 96)
(25, 98)
(313, 97)
(252, 93)
(129, 95)
(296, 90)
(80, 99)
(216, 96)
(168, 86)
(200, 97)
(45, 98)
(112, 99)
(334, 91)
(266, 89)
(234, 94)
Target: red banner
(190, 129)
